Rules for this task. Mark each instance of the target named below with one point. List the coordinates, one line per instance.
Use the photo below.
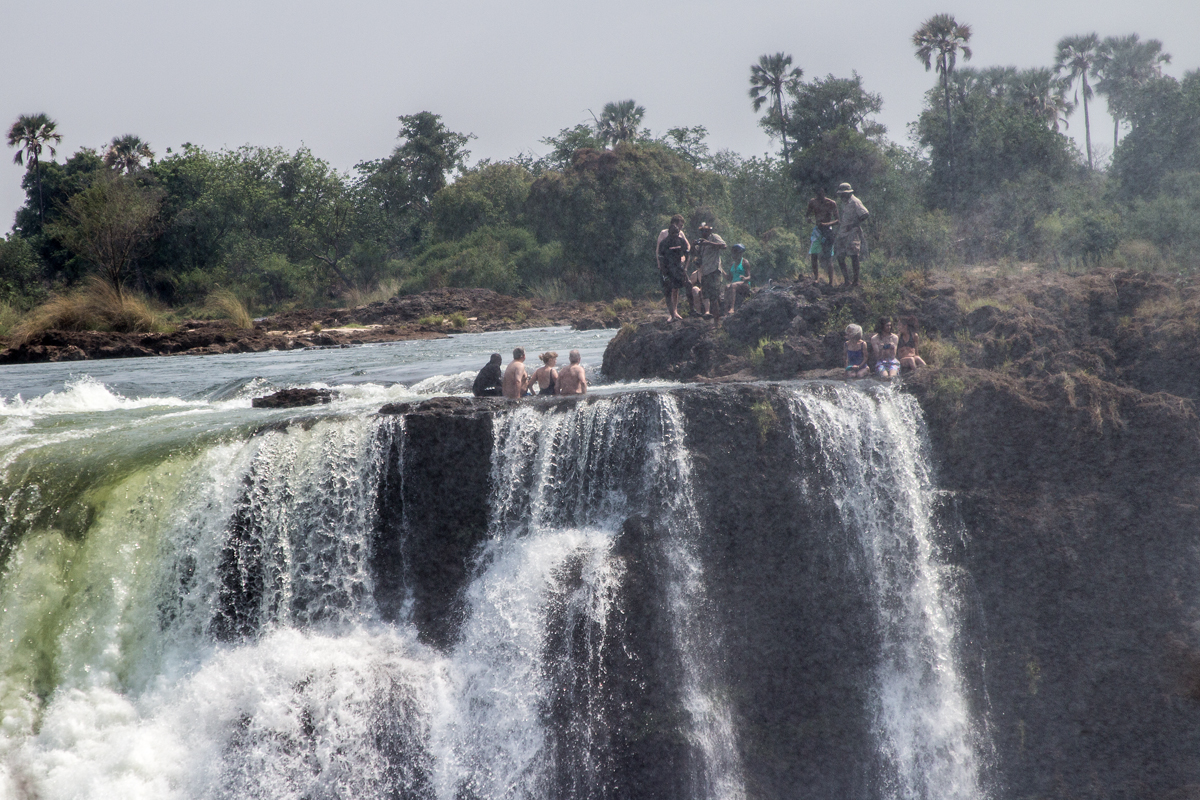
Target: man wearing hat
(708, 261)
(850, 235)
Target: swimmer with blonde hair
(546, 376)
(856, 353)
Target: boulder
(293, 398)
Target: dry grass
(94, 306)
(10, 317)
(223, 303)
(941, 353)
(386, 290)
(1172, 315)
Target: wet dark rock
(293, 398)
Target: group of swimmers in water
(889, 353)
(515, 382)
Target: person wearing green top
(739, 275)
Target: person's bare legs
(816, 265)
(673, 306)
(845, 274)
(854, 263)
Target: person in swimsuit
(546, 376)
(906, 345)
(739, 276)
(883, 346)
(856, 353)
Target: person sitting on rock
(883, 347)
(546, 375)
(739, 276)
(906, 345)
(856, 353)
(572, 380)
(490, 380)
(516, 380)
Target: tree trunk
(950, 139)
(1087, 125)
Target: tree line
(989, 174)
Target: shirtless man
(516, 379)
(572, 380)
(823, 212)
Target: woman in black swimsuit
(545, 375)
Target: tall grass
(224, 303)
(10, 317)
(94, 306)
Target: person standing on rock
(572, 380)
(708, 260)
(823, 212)
(850, 237)
(490, 380)
(672, 250)
(516, 380)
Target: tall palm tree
(1126, 64)
(30, 133)
(126, 152)
(1078, 57)
(770, 79)
(1043, 95)
(945, 37)
(619, 122)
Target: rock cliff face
(1061, 413)
(1070, 512)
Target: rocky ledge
(429, 315)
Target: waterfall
(204, 618)
(877, 467)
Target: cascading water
(877, 468)
(200, 617)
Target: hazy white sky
(334, 76)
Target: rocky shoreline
(429, 315)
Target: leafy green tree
(19, 272)
(618, 122)
(1165, 136)
(111, 224)
(30, 134)
(770, 79)
(829, 103)
(760, 190)
(1078, 57)
(938, 42)
(688, 143)
(1126, 64)
(126, 153)
(1038, 92)
(486, 195)
(564, 146)
(607, 208)
(997, 140)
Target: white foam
(82, 396)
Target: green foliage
(19, 270)
(506, 260)
(828, 104)
(765, 419)
(492, 194)
(765, 348)
(949, 388)
(607, 209)
(111, 224)
(1165, 138)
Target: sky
(335, 76)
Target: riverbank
(429, 315)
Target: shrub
(224, 303)
(765, 418)
(94, 306)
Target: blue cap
(739, 247)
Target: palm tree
(1042, 95)
(770, 78)
(1078, 57)
(126, 152)
(1125, 65)
(944, 36)
(30, 133)
(619, 122)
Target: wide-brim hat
(845, 188)
(705, 226)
